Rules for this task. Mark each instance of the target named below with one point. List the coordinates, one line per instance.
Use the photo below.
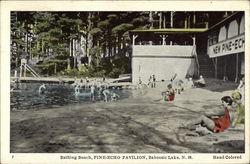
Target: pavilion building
(217, 51)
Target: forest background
(93, 44)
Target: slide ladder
(25, 66)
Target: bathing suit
(223, 122)
(170, 96)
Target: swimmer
(41, 89)
(100, 92)
(92, 91)
(77, 89)
(114, 96)
(106, 92)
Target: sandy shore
(140, 124)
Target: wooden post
(185, 23)
(172, 19)
(194, 41)
(55, 69)
(134, 37)
(216, 67)
(194, 19)
(25, 68)
(225, 69)
(21, 70)
(237, 68)
(171, 22)
(70, 46)
(160, 20)
(164, 21)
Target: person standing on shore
(154, 82)
(150, 81)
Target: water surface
(26, 96)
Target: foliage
(43, 34)
(49, 66)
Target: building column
(134, 37)
(194, 41)
(237, 69)
(216, 68)
(225, 78)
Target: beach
(142, 123)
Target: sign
(230, 46)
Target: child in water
(41, 89)
(92, 91)
(114, 96)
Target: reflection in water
(26, 96)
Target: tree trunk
(42, 46)
(119, 44)
(70, 47)
(151, 19)
(26, 43)
(74, 52)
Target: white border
(7, 6)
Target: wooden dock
(111, 82)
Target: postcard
(124, 81)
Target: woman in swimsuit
(216, 121)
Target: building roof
(171, 31)
(227, 19)
(188, 30)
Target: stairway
(206, 65)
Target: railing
(32, 71)
(27, 67)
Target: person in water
(77, 89)
(106, 92)
(216, 121)
(114, 96)
(92, 91)
(100, 91)
(42, 89)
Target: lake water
(26, 96)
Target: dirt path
(141, 124)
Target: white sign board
(230, 46)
